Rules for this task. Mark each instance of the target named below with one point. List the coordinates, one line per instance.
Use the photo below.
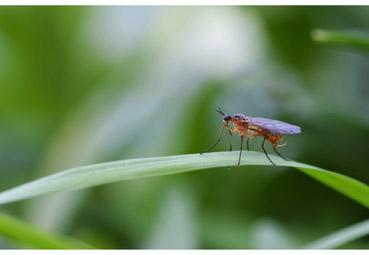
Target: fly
(249, 127)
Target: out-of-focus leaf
(268, 234)
(345, 38)
(341, 237)
(175, 227)
(93, 175)
(29, 237)
(215, 225)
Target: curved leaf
(353, 39)
(93, 175)
(341, 237)
(28, 236)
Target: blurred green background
(80, 85)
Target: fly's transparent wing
(275, 126)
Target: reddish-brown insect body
(247, 127)
(248, 130)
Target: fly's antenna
(218, 110)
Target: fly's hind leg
(275, 144)
(266, 154)
(279, 154)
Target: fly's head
(226, 117)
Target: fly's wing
(275, 126)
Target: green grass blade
(93, 175)
(341, 237)
(344, 38)
(28, 236)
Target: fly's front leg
(279, 154)
(218, 140)
(266, 154)
(230, 131)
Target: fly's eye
(227, 117)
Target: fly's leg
(239, 158)
(230, 140)
(266, 154)
(247, 144)
(218, 140)
(279, 154)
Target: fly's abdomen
(273, 138)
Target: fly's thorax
(253, 131)
(245, 129)
(239, 126)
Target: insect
(248, 127)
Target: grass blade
(341, 237)
(345, 38)
(28, 236)
(93, 175)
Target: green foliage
(352, 39)
(28, 236)
(81, 85)
(89, 176)
(341, 237)
(93, 175)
